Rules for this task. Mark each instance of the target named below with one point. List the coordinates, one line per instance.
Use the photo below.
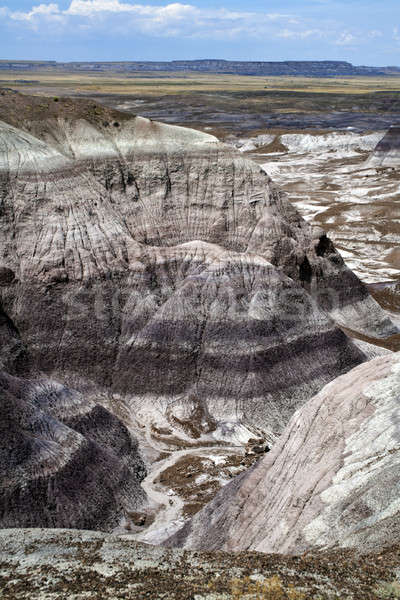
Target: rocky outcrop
(163, 268)
(64, 461)
(387, 151)
(331, 480)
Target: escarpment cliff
(163, 268)
(331, 480)
(323, 68)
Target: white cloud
(89, 7)
(375, 33)
(346, 39)
(396, 34)
(92, 7)
(173, 19)
(44, 10)
(179, 19)
(300, 35)
(174, 10)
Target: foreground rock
(331, 480)
(156, 268)
(46, 564)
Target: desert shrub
(388, 590)
(268, 589)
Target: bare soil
(196, 479)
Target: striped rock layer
(387, 151)
(64, 461)
(331, 481)
(159, 266)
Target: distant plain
(171, 83)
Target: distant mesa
(325, 68)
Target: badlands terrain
(186, 357)
(313, 136)
(320, 149)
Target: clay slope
(159, 266)
(387, 152)
(64, 461)
(332, 479)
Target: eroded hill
(161, 274)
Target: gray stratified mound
(331, 480)
(64, 461)
(387, 152)
(160, 266)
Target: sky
(364, 32)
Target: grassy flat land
(225, 104)
(161, 83)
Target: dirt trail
(167, 504)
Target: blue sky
(361, 31)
